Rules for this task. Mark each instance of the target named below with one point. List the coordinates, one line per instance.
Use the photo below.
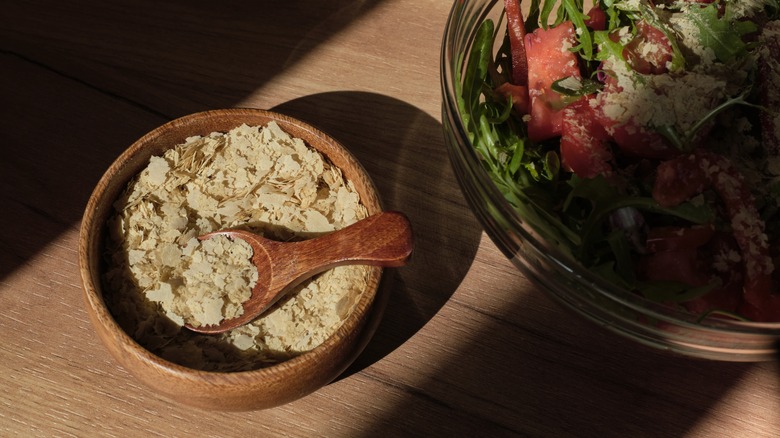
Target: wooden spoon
(384, 239)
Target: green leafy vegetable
(684, 141)
(574, 12)
(577, 214)
(720, 34)
(571, 87)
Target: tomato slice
(597, 19)
(696, 256)
(674, 255)
(516, 31)
(584, 142)
(631, 137)
(519, 95)
(680, 265)
(549, 60)
(703, 169)
(650, 51)
(638, 141)
(721, 256)
(678, 238)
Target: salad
(642, 138)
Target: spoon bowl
(383, 240)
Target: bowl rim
(448, 60)
(351, 327)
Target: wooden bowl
(246, 390)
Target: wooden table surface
(468, 347)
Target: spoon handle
(384, 239)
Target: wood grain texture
(468, 347)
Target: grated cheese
(660, 99)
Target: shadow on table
(83, 80)
(551, 371)
(446, 234)
(548, 369)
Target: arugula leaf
(532, 19)
(544, 15)
(476, 69)
(605, 198)
(570, 86)
(607, 271)
(608, 49)
(629, 8)
(684, 141)
(500, 142)
(574, 12)
(613, 15)
(718, 33)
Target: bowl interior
(259, 388)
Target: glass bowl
(569, 283)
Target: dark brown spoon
(384, 239)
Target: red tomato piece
(549, 60)
(632, 138)
(703, 169)
(649, 51)
(676, 238)
(597, 19)
(768, 312)
(584, 147)
(640, 142)
(516, 31)
(721, 254)
(519, 95)
(677, 180)
(696, 256)
(674, 255)
(680, 265)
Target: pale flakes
(258, 178)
